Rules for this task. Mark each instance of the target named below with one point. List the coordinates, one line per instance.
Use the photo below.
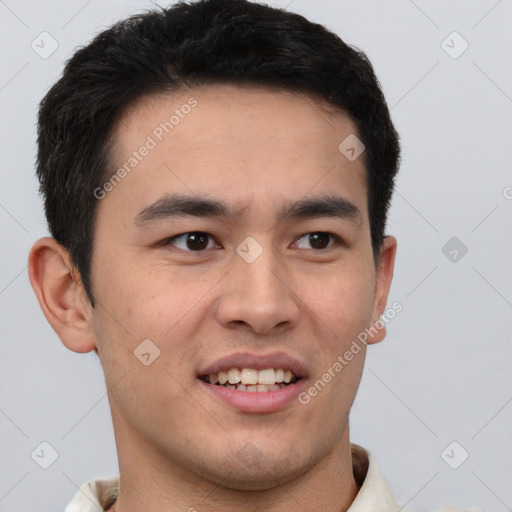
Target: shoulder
(95, 495)
(450, 508)
(374, 490)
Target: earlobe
(377, 330)
(56, 284)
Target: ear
(377, 330)
(57, 285)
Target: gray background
(443, 373)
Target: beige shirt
(374, 494)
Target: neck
(151, 484)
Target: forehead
(232, 141)
(232, 117)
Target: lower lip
(257, 401)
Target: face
(236, 245)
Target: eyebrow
(176, 205)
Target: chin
(259, 475)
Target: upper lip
(255, 361)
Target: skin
(178, 448)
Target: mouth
(254, 383)
(252, 380)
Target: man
(216, 178)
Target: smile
(252, 380)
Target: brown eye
(192, 241)
(318, 240)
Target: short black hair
(189, 44)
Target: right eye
(192, 241)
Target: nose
(258, 295)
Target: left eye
(193, 241)
(318, 240)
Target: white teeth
(234, 376)
(267, 377)
(254, 387)
(249, 379)
(249, 376)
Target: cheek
(341, 308)
(151, 303)
(342, 302)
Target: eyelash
(338, 241)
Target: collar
(374, 494)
